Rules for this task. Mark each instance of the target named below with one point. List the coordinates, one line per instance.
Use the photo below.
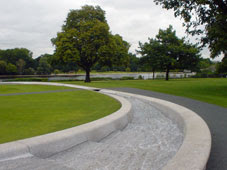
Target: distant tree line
(19, 61)
(16, 61)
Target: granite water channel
(147, 143)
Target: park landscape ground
(28, 115)
(25, 114)
(210, 90)
(27, 111)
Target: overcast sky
(32, 23)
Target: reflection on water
(145, 76)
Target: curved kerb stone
(47, 145)
(195, 150)
(193, 153)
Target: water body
(118, 76)
(147, 143)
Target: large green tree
(207, 18)
(151, 54)
(3, 66)
(7, 69)
(134, 62)
(85, 39)
(44, 67)
(167, 51)
(11, 69)
(20, 66)
(115, 53)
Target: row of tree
(86, 42)
(167, 51)
(16, 61)
(19, 61)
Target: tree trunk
(153, 74)
(87, 79)
(167, 73)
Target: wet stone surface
(148, 142)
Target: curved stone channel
(148, 142)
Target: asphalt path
(215, 117)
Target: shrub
(207, 75)
(160, 76)
(11, 69)
(29, 79)
(105, 68)
(100, 78)
(56, 71)
(140, 77)
(29, 71)
(127, 69)
(127, 78)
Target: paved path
(215, 116)
(39, 92)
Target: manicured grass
(5, 89)
(208, 90)
(24, 116)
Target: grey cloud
(32, 23)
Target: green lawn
(4, 89)
(24, 116)
(209, 90)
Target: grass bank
(24, 116)
(210, 90)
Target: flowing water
(147, 143)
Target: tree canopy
(13, 55)
(44, 67)
(151, 54)
(207, 18)
(167, 51)
(17, 61)
(85, 39)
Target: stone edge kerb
(49, 144)
(195, 149)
